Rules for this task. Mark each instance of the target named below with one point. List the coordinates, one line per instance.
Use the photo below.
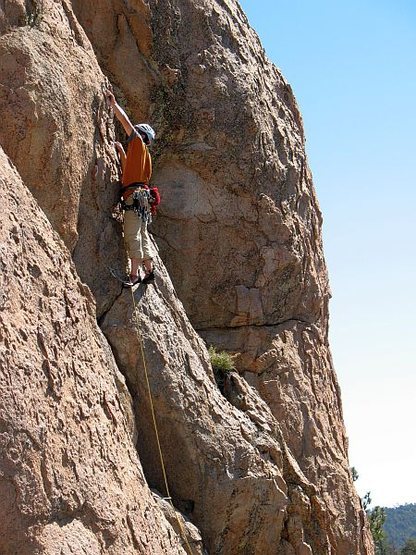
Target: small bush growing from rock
(222, 363)
(221, 360)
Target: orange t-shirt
(138, 164)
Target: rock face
(70, 478)
(239, 198)
(54, 126)
(208, 446)
(259, 467)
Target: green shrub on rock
(222, 363)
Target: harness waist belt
(133, 185)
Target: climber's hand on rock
(119, 147)
(111, 100)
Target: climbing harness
(145, 200)
(141, 201)
(153, 413)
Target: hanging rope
(152, 410)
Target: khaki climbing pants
(136, 235)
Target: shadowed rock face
(260, 469)
(54, 126)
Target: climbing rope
(188, 548)
(152, 410)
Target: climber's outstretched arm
(119, 113)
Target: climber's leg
(147, 254)
(134, 267)
(133, 241)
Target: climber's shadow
(139, 293)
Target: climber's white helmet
(147, 131)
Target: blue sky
(352, 66)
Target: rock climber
(136, 168)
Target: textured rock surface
(70, 478)
(54, 124)
(182, 525)
(263, 469)
(238, 196)
(294, 376)
(208, 446)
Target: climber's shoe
(149, 278)
(133, 280)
